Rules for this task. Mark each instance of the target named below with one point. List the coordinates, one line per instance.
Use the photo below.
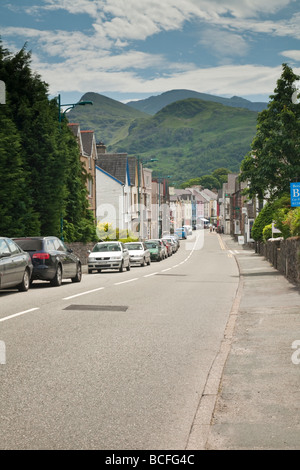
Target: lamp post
(60, 114)
(139, 198)
(69, 106)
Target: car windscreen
(30, 245)
(134, 246)
(106, 247)
(151, 245)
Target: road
(119, 361)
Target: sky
(133, 49)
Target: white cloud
(101, 59)
(295, 55)
(224, 43)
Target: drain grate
(96, 308)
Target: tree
(39, 157)
(274, 160)
(17, 217)
(221, 174)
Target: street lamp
(69, 106)
(150, 160)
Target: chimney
(101, 148)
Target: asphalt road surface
(118, 361)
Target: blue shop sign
(295, 194)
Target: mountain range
(153, 104)
(188, 136)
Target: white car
(188, 229)
(138, 253)
(108, 255)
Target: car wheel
(128, 267)
(99, 270)
(144, 262)
(78, 276)
(121, 267)
(57, 280)
(149, 262)
(24, 286)
(90, 271)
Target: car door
(5, 263)
(18, 262)
(62, 255)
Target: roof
(87, 138)
(116, 165)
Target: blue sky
(132, 49)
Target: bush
(267, 232)
(292, 221)
(272, 211)
(265, 217)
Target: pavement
(257, 404)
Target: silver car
(109, 255)
(138, 253)
(15, 266)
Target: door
(5, 263)
(18, 262)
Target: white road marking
(83, 293)
(18, 314)
(125, 282)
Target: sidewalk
(258, 404)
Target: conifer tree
(47, 171)
(274, 161)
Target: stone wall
(284, 255)
(81, 250)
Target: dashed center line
(125, 282)
(18, 314)
(83, 293)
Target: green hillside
(109, 118)
(191, 138)
(153, 104)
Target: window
(13, 247)
(58, 245)
(4, 248)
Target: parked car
(172, 241)
(52, 260)
(181, 232)
(156, 248)
(109, 255)
(138, 253)
(168, 246)
(163, 246)
(188, 229)
(15, 266)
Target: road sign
(295, 194)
